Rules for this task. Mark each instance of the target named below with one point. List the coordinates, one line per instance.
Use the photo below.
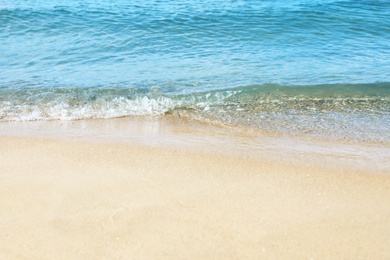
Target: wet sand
(152, 189)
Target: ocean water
(317, 69)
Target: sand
(66, 194)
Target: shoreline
(152, 188)
(191, 135)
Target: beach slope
(77, 199)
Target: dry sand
(74, 198)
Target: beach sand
(159, 189)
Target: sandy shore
(78, 194)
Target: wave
(339, 111)
(99, 102)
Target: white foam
(100, 108)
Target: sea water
(310, 68)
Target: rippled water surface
(312, 68)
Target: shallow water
(318, 69)
(236, 142)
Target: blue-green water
(318, 68)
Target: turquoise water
(310, 68)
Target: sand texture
(79, 199)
